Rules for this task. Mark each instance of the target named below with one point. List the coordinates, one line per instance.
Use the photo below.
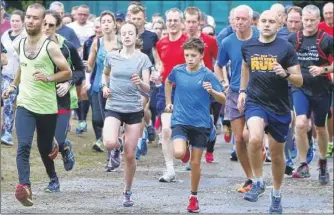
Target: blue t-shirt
(70, 35)
(223, 34)
(264, 86)
(191, 100)
(230, 50)
(283, 33)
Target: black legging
(98, 106)
(83, 109)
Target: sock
(193, 193)
(276, 193)
(259, 180)
(170, 166)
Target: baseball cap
(3, 4)
(120, 16)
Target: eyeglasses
(51, 25)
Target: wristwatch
(326, 70)
(48, 79)
(242, 91)
(287, 75)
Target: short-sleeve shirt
(150, 39)
(265, 88)
(191, 100)
(125, 96)
(70, 35)
(308, 55)
(210, 50)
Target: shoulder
(249, 43)
(292, 36)
(208, 39)
(180, 67)
(228, 39)
(162, 41)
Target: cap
(3, 4)
(120, 16)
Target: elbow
(69, 74)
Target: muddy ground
(88, 189)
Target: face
(310, 21)
(268, 24)
(157, 19)
(138, 19)
(328, 14)
(16, 22)
(119, 22)
(164, 33)
(107, 24)
(232, 20)
(66, 20)
(242, 20)
(59, 10)
(128, 13)
(49, 27)
(208, 30)
(193, 58)
(192, 24)
(255, 22)
(128, 35)
(294, 22)
(33, 21)
(157, 28)
(173, 22)
(83, 14)
(97, 29)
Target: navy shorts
(198, 137)
(305, 105)
(276, 125)
(127, 118)
(161, 99)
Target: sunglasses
(51, 25)
(211, 34)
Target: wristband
(242, 91)
(12, 85)
(287, 75)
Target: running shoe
(127, 201)
(143, 143)
(7, 139)
(53, 186)
(23, 193)
(98, 146)
(81, 127)
(209, 158)
(227, 135)
(289, 167)
(323, 172)
(234, 156)
(168, 177)
(255, 192)
(329, 153)
(276, 204)
(294, 149)
(68, 156)
(193, 204)
(55, 149)
(109, 167)
(247, 186)
(151, 133)
(303, 171)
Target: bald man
(328, 24)
(269, 64)
(280, 10)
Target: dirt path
(88, 189)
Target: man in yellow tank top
(37, 99)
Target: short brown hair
(294, 8)
(19, 13)
(56, 16)
(109, 13)
(38, 6)
(192, 11)
(194, 43)
(137, 9)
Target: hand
(241, 102)
(106, 92)
(63, 89)
(316, 70)
(278, 69)
(169, 108)
(136, 79)
(7, 92)
(155, 78)
(208, 87)
(85, 63)
(226, 85)
(87, 85)
(39, 76)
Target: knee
(276, 157)
(302, 124)
(255, 143)
(178, 154)
(110, 144)
(129, 155)
(321, 130)
(195, 163)
(23, 149)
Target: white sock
(259, 180)
(276, 193)
(170, 166)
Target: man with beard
(37, 99)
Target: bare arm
(218, 96)
(145, 83)
(4, 60)
(296, 77)
(244, 75)
(157, 60)
(59, 60)
(106, 76)
(92, 57)
(168, 91)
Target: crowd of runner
(265, 82)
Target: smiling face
(174, 22)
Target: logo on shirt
(263, 63)
(23, 64)
(39, 66)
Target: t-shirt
(4, 26)
(3, 50)
(70, 35)
(83, 32)
(210, 50)
(125, 96)
(224, 33)
(329, 30)
(171, 54)
(283, 33)
(230, 50)
(265, 88)
(308, 55)
(191, 100)
(150, 39)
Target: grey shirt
(125, 96)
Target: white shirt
(83, 32)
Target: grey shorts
(231, 109)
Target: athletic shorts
(276, 125)
(198, 137)
(305, 105)
(127, 118)
(161, 99)
(231, 109)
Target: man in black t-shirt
(313, 96)
(269, 63)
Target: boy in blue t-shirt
(195, 85)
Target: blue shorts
(276, 125)
(198, 137)
(305, 105)
(161, 99)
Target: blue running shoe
(143, 143)
(7, 139)
(257, 191)
(68, 156)
(81, 127)
(127, 201)
(276, 204)
(289, 167)
(294, 149)
(53, 186)
(151, 133)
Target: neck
(128, 51)
(109, 37)
(306, 33)
(15, 33)
(174, 37)
(34, 39)
(244, 35)
(141, 30)
(195, 35)
(194, 69)
(81, 24)
(330, 24)
(54, 38)
(263, 39)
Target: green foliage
(26, 3)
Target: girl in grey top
(122, 86)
